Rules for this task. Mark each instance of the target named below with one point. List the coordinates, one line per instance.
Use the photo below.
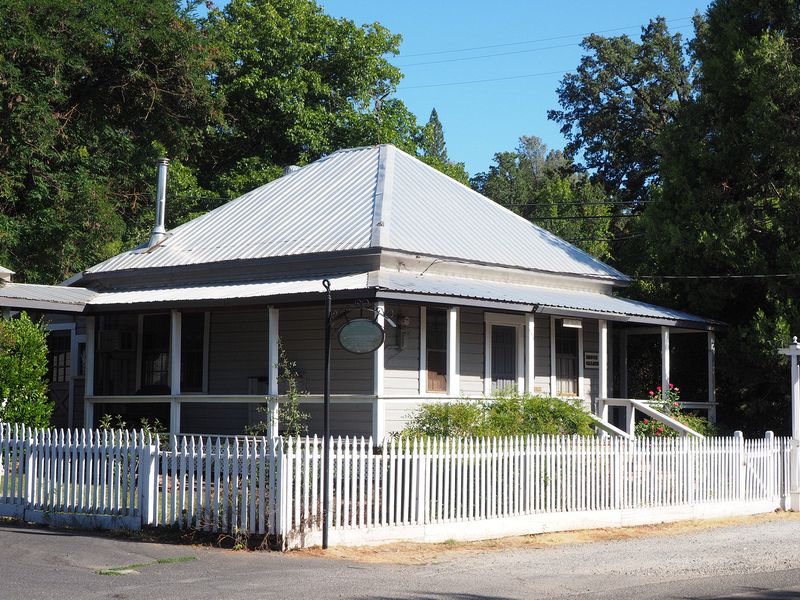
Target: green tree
(547, 189)
(23, 366)
(617, 104)
(731, 199)
(90, 94)
(432, 143)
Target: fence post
(741, 465)
(148, 479)
(283, 489)
(29, 466)
(422, 479)
(771, 464)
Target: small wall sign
(591, 360)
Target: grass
(135, 567)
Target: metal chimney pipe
(159, 233)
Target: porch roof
(55, 298)
(383, 284)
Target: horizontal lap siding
(347, 418)
(302, 331)
(541, 358)
(238, 350)
(217, 418)
(591, 343)
(471, 347)
(399, 414)
(401, 376)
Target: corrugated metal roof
(26, 295)
(405, 283)
(555, 298)
(232, 291)
(377, 197)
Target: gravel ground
(747, 560)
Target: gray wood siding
(238, 350)
(216, 418)
(401, 364)
(347, 418)
(591, 343)
(471, 348)
(541, 358)
(398, 414)
(302, 332)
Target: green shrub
(505, 413)
(23, 367)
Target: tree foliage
(547, 189)
(707, 132)
(23, 366)
(89, 93)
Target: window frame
(520, 324)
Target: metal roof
(549, 299)
(45, 297)
(240, 291)
(374, 197)
(384, 283)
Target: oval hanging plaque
(361, 336)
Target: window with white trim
(566, 354)
(436, 350)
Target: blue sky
(480, 119)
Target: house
(186, 327)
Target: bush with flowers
(669, 404)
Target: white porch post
(602, 379)
(712, 378)
(530, 352)
(88, 390)
(581, 374)
(623, 363)
(553, 390)
(273, 356)
(175, 352)
(793, 352)
(175, 371)
(453, 380)
(664, 361)
(423, 344)
(379, 404)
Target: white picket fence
(432, 489)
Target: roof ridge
(382, 201)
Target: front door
(59, 361)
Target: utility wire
(729, 276)
(575, 217)
(508, 53)
(549, 39)
(433, 85)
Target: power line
(510, 52)
(575, 217)
(729, 276)
(627, 237)
(549, 39)
(581, 203)
(433, 85)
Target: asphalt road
(746, 561)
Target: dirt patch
(407, 553)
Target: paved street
(759, 560)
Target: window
(436, 350)
(566, 355)
(59, 356)
(155, 354)
(504, 357)
(192, 351)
